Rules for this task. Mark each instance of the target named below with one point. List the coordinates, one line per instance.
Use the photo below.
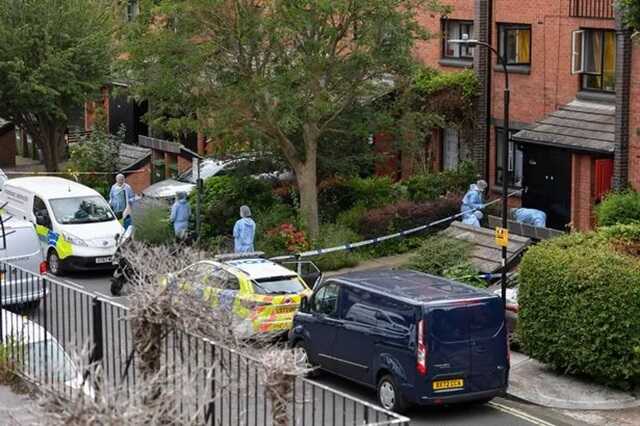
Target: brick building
(575, 109)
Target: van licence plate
(448, 384)
(103, 259)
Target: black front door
(547, 179)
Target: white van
(77, 228)
(21, 261)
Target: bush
(580, 308)
(222, 198)
(151, 221)
(621, 207)
(438, 254)
(331, 236)
(372, 192)
(337, 195)
(430, 186)
(283, 239)
(405, 215)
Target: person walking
(121, 197)
(244, 232)
(180, 215)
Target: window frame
(312, 304)
(583, 73)
(512, 147)
(503, 29)
(445, 39)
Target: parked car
(209, 167)
(262, 295)
(40, 356)
(20, 259)
(416, 338)
(77, 228)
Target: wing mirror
(304, 304)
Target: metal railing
(43, 321)
(597, 9)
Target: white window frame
(577, 52)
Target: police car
(262, 294)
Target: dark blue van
(416, 338)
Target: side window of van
(325, 300)
(41, 213)
(395, 314)
(358, 307)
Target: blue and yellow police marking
(55, 240)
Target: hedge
(619, 207)
(580, 308)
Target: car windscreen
(81, 210)
(279, 285)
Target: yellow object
(502, 237)
(448, 384)
(57, 241)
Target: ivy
(428, 81)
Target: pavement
(17, 409)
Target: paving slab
(536, 383)
(17, 409)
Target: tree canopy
(54, 55)
(281, 73)
(631, 11)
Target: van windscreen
(81, 210)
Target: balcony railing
(598, 9)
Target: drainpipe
(483, 21)
(623, 93)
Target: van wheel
(53, 263)
(303, 356)
(389, 395)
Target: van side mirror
(304, 304)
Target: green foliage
(332, 236)
(580, 308)
(96, 153)
(620, 207)
(439, 254)
(428, 81)
(221, 200)
(373, 192)
(351, 218)
(55, 55)
(337, 195)
(631, 12)
(151, 221)
(465, 272)
(430, 186)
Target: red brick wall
(634, 120)
(582, 191)
(184, 164)
(139, 179)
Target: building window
(514, 165)
(594, 58)
(514, 43)
(453, 29)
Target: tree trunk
(50, 141)
(307, 184)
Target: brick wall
(634, 120)
(582, 191)
(139, 179)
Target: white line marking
(521, 414)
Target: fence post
(3, 280)
(97, 351)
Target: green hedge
(620, 207)
(428, 187)
(580, 308)
(151, 221)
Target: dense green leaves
(580, 308)
(631, 11)
(54, 55)
(620, 207)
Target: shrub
(337, 195)
(151, 221)
(430, 186)
(283, 239)
(622, 207)
(580, 308)
(438, 254)
(372, 192)
(351, 218)
(222, 198)
(405, 215)
(335, 235)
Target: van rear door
(466, 346)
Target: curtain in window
(609, 66)
(524, 43)
(593, 63)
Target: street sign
(502, 236)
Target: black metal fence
(45, 321)
(597, 9)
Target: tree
(276, 72)
(631, 12)
(54, 55)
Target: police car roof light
(235, 256)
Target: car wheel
(389, 395)
(53, 263)
(304, 361)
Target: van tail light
(421, 352)
(43, 268)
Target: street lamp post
(505, 152)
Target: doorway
(547, 179)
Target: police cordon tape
(72, 173)
(377, 240)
